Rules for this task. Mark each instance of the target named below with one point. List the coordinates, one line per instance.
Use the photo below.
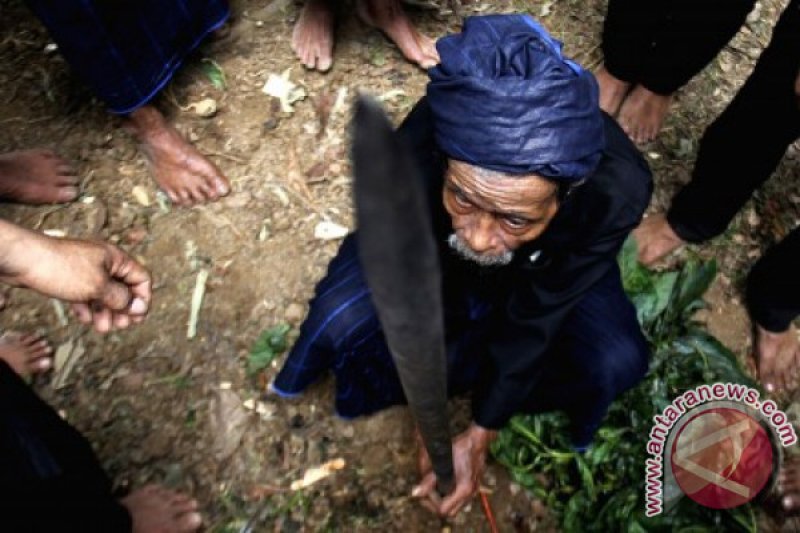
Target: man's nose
(480, 234)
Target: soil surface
(160, 407)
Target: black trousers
(740, 151)
(661, 44)
(50, 479)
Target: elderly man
(532, 192)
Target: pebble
(135, 235)
(294, 313)
(281, 224)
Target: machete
(401, 265)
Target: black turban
(504, 98)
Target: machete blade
(401, 264)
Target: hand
(107, 288)
(469, 461)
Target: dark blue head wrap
(504, 98)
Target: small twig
(60, 313)
(588, 54)
(197, 302)
(307, 203)
(214, 217)
(487, 510)
(29, 121)
(229, 157)
(85, 182)
(47, 212)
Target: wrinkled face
(493, 214)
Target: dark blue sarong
(599, 353)
(128, 50)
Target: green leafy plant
(214, 73)
(270, 344)
(603, 489)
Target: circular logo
(722, 458)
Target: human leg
(773, 299)
(741, 149)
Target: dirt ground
(161, 407)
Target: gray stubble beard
(485, 260)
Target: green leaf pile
(603, 489)
(269, 345)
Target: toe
(324, 63)
(222, 186)
(790, 502)
(41, 349)
(102, 320)
(66, 170)
(82, 312)
(41, 364)
(121, 321)
(172, 195)
(29, 339)
(196, 196)
(208, 190)
(67, 194)
(185, 197)
(189, 522)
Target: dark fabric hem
(173, 67)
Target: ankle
(146, 123)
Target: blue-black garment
(50, 478)
(553, 329)
(505, 98)
(128, 50)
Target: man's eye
(461, 199)
(516, 222)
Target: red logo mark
(722, 458)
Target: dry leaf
(140, 194)
(204, 108)
(227, 423)
(327, 231)
(391, 95)
(64, 360)
(284, 90)
(313, 475)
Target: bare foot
(185, 174)
(389, 17)
(312, 37)
(612, 91)
(26, 354)
(37, 177)
(778, 358)
(642, 114)
(789, 485)
(656, 239)
(155, 509)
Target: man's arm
(105, 285)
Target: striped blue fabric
(599, 353)
(128, 50)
